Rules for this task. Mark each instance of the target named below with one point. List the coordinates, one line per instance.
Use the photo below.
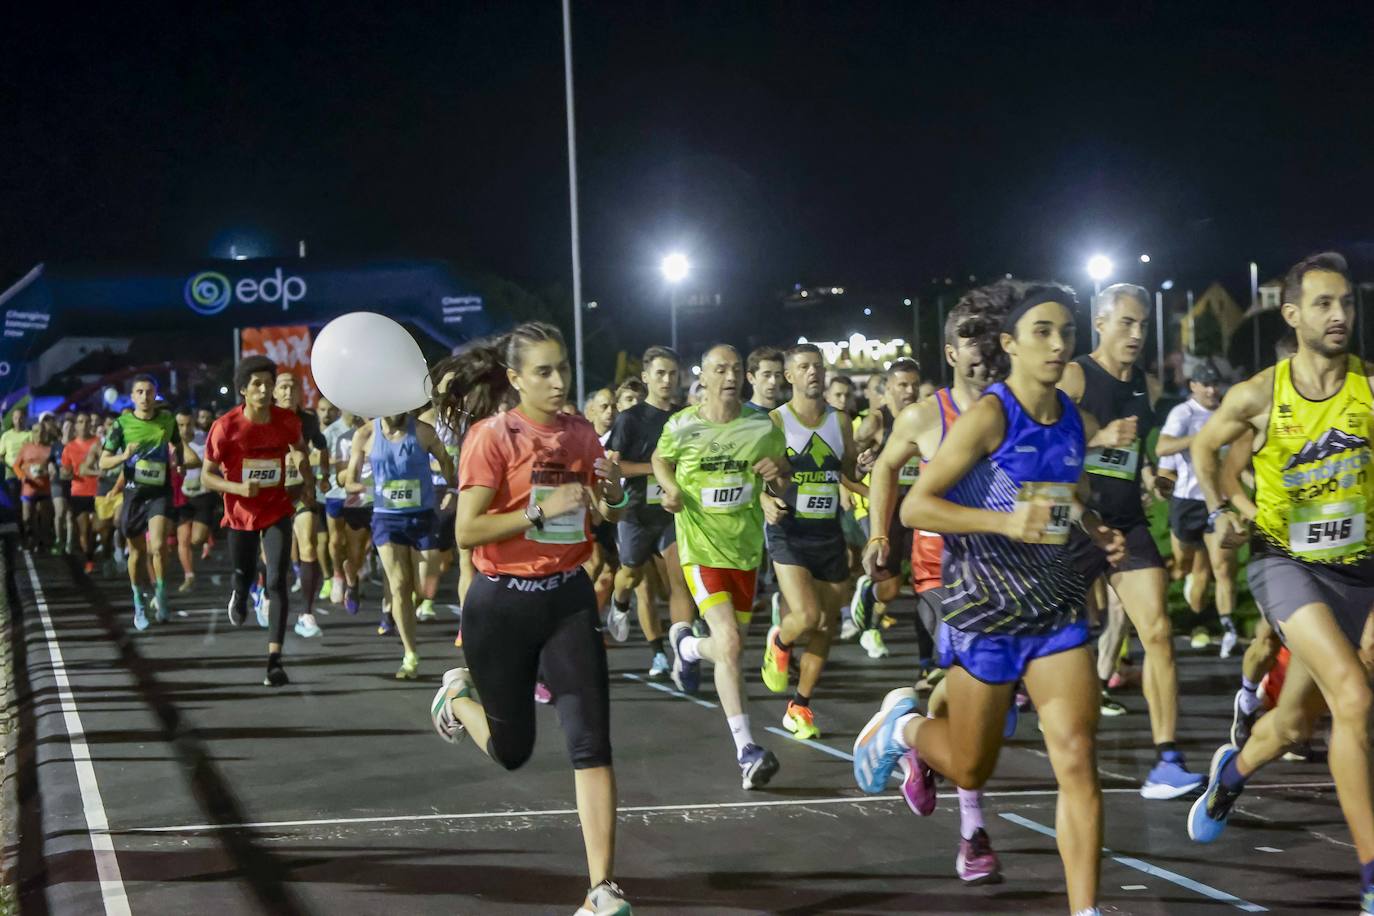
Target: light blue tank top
(401, 480)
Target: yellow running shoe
(410, 668)
(799, 721)
(775, 663)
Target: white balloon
(369, 365)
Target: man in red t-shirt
(245, 459)
(85, 487)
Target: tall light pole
(572, 203)
(675, 268)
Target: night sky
(871, 145)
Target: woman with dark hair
(1004, 488)
(533, 481)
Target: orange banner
(289, 347)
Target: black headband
(1038, 295)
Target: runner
(916, 434)
(309, 514)
(435, 563)
(145, 443)
(109, 497)
(36, 470)
(355, 518)
(1109, 385)
(804, 537)
(646, 534)
(201, 511)
(326, 415)
(838, 393)
(1188, 513)
(533, 478)
(764, 372)
(399, 449)
(1001, 489)
(713, 460)
(1312, 563)
(869, 603)
(15, 436)
(85, 487)
(605, 560)
(245, 458)
(630, 393)
(61, 486)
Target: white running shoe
(606, 899)
(618, 623)
(307, 627)
(457, 683)
(1228, 643)
(872, 643)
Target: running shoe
(236, 610)
(457, 685)
(1116, 681)
(700, 628)
(257, 595)
(877, 748)
(859, 609)
(660, 667)
(800, 721)
(1201, 638)
(296, 585)
(186, 585)
(140, 618)
(326, 590)
(757, 766)
(1207, 818)
(606, 899)
(276, 677)
(89, 567)
(351, 599)
(618, 623)
(872, 642)
(1229, 640)
(1367, 902)
(458, 640)
(1170, 778)
(410, 667)
(1111, 708)
(307, 627)
(336, 590)
(1013, 718)
(776, 605)
(775, 662)
(686, 675)
(385, 626)
(977, 863)
(1242, 722)
(57, 550)
(161, 612)
(847, 630)
(918, 784)
(542, 694)
(425, 610)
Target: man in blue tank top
(399, 450)
(1004, 489)
(1108, 385)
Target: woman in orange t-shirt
(35, 468)
(532, 482)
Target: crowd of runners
(1015, 505)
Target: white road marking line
(811, 743)
(97, 824)
(673, 691)
(1134, 887)
(1267, 849)
(1141, 865)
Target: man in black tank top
(1109, 385)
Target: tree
(1206, 334)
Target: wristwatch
(1210, 528)
(534, 514)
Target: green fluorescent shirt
(148, 466)
(11, 441)
(721, 522)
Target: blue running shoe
(686, 675)
(877, 750)
(757, 766)
(660, 667)
(1207, 819)
(1170, 778)
(1367, 902)
(140, 618)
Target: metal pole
(572, 203)
(238, 347)
(672, 311)
(1254, 307)
(916, 331)
(1159, 332)
(940, 323)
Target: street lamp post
(675, 268)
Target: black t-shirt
(310, 431)
(1114, 473)
(635, 436)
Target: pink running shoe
(976, 862)
(541, 693)
(918, 784)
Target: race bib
(191, 484)
(293, 475)
(1060, 498)
(38, 470)
(906, 476)
(1113, 462)
(818, 500)
(1327, 531)
(400, 494)
(653, 492)
(265, 472)
(569, 528)
(150, 473)
(726, 493)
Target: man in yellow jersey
(1312, 561)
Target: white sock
(970, 812)
(688, 649)
(739, 730)
(899, 732)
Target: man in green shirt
(11, 441)
(713, 460)
(146, 444)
